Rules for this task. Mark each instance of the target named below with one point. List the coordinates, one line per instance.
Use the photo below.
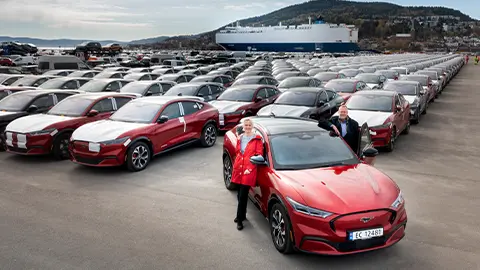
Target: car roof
(248, 86)
(402, 82)
(375, 92)
(282, 125)
(194, 83)
(164, 99)
(305, 89)
(107, 80)
(298, 78)
(344, 80)
(144, 82)
(97, 95)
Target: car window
(145, 77)
(330, 94)
(70, 85)
(271, 81)
(104, 105)
(172, 111)
(204, 91)
(215, 89)
(154, 90)
(323, 97)
(271, 92)
(165, 87)
(262, 93)
(61, 96)
(82, 82)
(113, 86)
(117, 76)
(218, 80)
(181, 79)
(190, 107)
(10, 80)
(44, 102)
(40, 81)
(122, 101)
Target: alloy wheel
(227, 171)
(140, 157)
(210, 135)
(64, 148)
(278, 228)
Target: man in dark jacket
(344, 126)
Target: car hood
(283, 110)
(226, 106)
(104, 130)
(9, 116)
(371, 118)
(410, 98)
(35, 122)
(343, 189)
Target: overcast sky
(135, 19)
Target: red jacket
(242, 162)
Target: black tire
(391, 144)
(281, 229)
(209, 135)
(138, 157)
(60, 146)
(3, 144)
(426, 108)
(227, 173)
(407, 129)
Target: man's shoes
(239, 226)
(236, 220)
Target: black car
(89, 46)
(306, 102)
(207, 90)
(27, 102)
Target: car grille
(361, 244)
(18, 150)
(91, 161)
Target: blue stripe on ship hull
(292, 47)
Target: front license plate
(365, 234)
(94, 147)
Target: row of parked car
(114, 121)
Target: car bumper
(314, 235)
(380, 137)
(108, 156)
(28, 145)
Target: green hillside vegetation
(374, 20)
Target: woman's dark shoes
(239, 226)
(236, 220)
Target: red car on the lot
(241, 101)
(346, 87)
(144, 128)
(318, 195)
(49, 133)
(387, 113)
(8, 90)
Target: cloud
(245, 6)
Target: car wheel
(3, 144)
(407, 129)
(425, 111)
(281, 229)
(60, 146)
(227, 173)
(209, 135)
(138, 157)
(391, 143)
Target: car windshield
(72, 106)
(93, 86)
(25, 81)
(400, 70)
(431, 74)
(326, 76)
(185, 90)
(308, 150)
(294, 82)
(341, 87)
(390, 74)
(365, 102)
(16, 103)
(404, 89)
(52, 84)
(133, 87)
(232, 94)
(137, 112)
(297, 98)
(350, 72)
(368, 78)
(421, 79)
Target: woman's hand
(246, 172)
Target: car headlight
(308, 210)
(398, 202)
(242, 112)
(124, 140)
(51, 131)
(387, 125)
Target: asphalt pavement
(177, 214)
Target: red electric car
(42, 134)
(318, 195)
(144, 128)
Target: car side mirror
(162, 119)
(92, 113)
(369, 155)
(32, 109)
(258, 99)
(258, 160)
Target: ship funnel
(309, 20)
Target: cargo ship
(319, 36)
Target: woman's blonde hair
(248, 120)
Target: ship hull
(325, 47)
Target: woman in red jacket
(244, 172)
